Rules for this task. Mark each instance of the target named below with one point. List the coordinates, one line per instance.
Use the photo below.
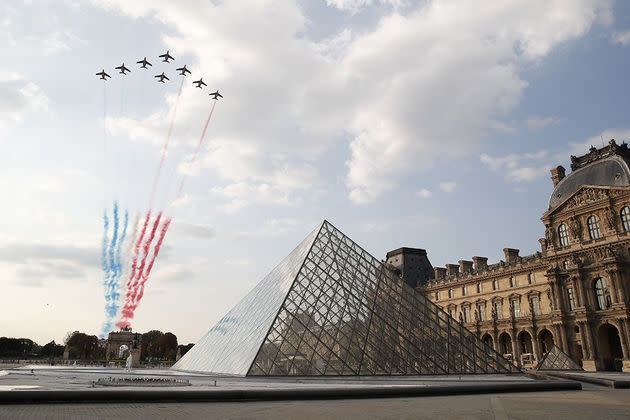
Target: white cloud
(519, 167)
(448, 187)
(18, 98)
(355, 6)
(289, 99)
(424, 193)
(581, 147)
(621, 38)
(272, 228)
(538, 123)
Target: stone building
(122, 343)
(574, 292)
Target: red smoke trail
(136, 251)
(129, 293)
(165, 146)
(145, 253)
(128, 311)
(199, 143)
(156, 251)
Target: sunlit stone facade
(574, 292)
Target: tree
(17, 347)
(168, 346)
(52, 350)
(83, 346)
(183, 349)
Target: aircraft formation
(162, 78)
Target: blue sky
(430, 124)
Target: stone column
(563, 339)
(612, 274)
(592, 363)
(536, 344)
(625, 345)
(583, 294)
(585, 348)
(576, 293)
(516, 351)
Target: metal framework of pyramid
(556, 359)
(331, 308)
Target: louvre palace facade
(573, 293)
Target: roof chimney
(480, 263)
(557, 174)
(452, 269)
(440, 272)
(465, 266)
(511, 255)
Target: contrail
(165, 146)
(197, 149)
(145, 277)
(136, 275)
(105, 267)
(115, 293)
(147, 247)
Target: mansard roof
(607, 166)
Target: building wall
(556, 294)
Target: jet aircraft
(144, 63)
(199, 83)
(166, 56)
(103, 75)
(122, 68)
(216, 95)
(161, 77)
(183, 70)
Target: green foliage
(159, 346)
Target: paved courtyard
(593, 401)
(600, 403)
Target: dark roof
(611, 172)
(405, 250)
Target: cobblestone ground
(592, 403)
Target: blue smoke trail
(106, 268)
(113, 266)
(117, 268)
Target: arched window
(625, 218)
(601, 292)
(563, 235)
(593, 227)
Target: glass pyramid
(556, 359)
(330, 308)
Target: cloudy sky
(430, 124)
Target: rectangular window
(481, 309)
(437, 296)
(536, 305)
(512, 281)
(571, 298)
(498, 309)
(466, 313)
(464, 290)
(530, 278)
(451, 312)
(516, 307)
(479, 289)
(495, 284)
